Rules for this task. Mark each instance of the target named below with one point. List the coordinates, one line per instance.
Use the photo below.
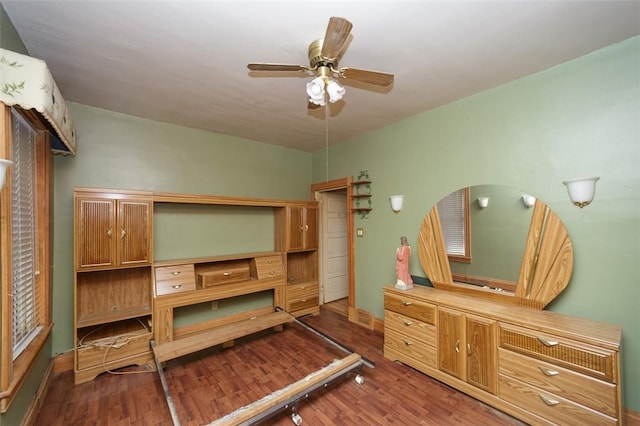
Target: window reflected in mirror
(454, 220)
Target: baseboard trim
(34, 408)
(631, 418)
(63, 363)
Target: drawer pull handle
(406, 303)
(303, 287)
(468, 349)
(272, 272)
(457, 346)
(177, 286)
(269, 262)
(548, 372)
(408, 323)
(408, 342)
(227, 274)
(122, 233)
(109, 232)
(549, 401)
(547, 342)
(303, 300)
(175, 273)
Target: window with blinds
(454, 221)
(26, 296)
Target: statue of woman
(403, 253)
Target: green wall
(498, 233)
(578, 119)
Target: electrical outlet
(214, 305)
(360, 232)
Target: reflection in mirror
(518, 254)
(495, 235)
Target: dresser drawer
(269, 267)
(174, 279)
(302, 296)
(549, 378)
(549, 406)
(110, 350)
(299, 304)
(577, 356)
(418, 330)
(297, 291)
(411, 307)
(406, 349)
(219, 273)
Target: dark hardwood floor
(215, 382)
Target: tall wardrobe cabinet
(112, 280)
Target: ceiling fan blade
(372, 77)
(276, 67)
(334, 39)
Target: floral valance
(27, 82)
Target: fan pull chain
(326, 136)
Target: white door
(334, 246)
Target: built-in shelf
(88, 320)
(361, 195)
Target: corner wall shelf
(361, 199)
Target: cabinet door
(481, 353)
(134, 232)
(95, 228)
(296, 228)
(303, 228)
(310, 227)
(451, 343)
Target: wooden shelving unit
(123, 300)
(112, 280)
(361, 196)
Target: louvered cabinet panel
(95, 227)
(451, 342)
(134, 232)
(481, 353)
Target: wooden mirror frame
(546, 266)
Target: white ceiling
(184, 62)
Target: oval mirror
(500, 248)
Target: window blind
(24, 251)
(451, 212)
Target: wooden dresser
(538, 366)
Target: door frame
(332, 185)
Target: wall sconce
(528, 200)
(581, 191)
(483, 202)
(4, 165)
(396, 202)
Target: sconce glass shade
(483, 202)
(396, 202)
(528, 200)
(4, 165)
(581, 191)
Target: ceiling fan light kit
(323, 62)
(319, 87)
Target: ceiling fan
(323, 62)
